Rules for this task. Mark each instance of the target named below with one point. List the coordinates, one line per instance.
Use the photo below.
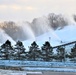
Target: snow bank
(36, 63)
(12, 72)
(51, 69)
(40, 65)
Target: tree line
(45, 53)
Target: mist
(4, 37)
(30, 30)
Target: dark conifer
(34, 52)
(47, 51)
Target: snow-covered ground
(52, 69)
(40, 65)
(12, 72)
(58, 37)
(36, 63)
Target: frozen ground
(58, 73)
(36, 64)
(40, 65)
(38, 68)
(11, 72)
(51, 69)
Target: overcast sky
(27, 10)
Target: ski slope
(58, 37)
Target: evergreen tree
(19, 51)
(47, 51)
(61, 54)
(73, 53)
(6, 50)
(34, 52)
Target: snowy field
(36, 63)
(10, 72)
(38, 68)
(40, 65)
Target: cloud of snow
(26, 30)
(4, 37)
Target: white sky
(27, 10)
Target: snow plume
(40, 25)
(13, 30)
(26, 30)
(4, 37)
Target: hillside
(58, 37)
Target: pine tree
(6, 50)
(73, 53)
(19, 51)
(61, 53)
(34, 52)
(47, 51)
